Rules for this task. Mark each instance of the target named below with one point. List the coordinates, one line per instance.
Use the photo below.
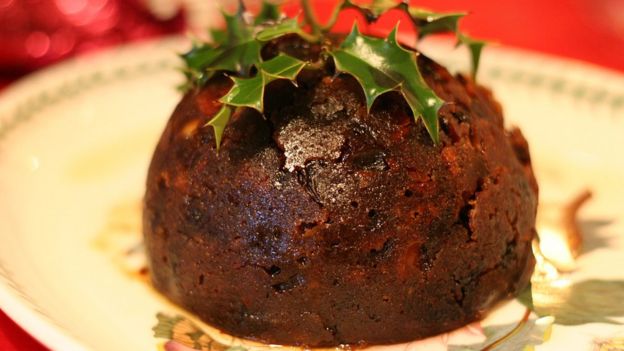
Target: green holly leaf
(287, 26)
(475, 47)
(426, 22)
(219, 122)
(246, 92)
(379, 65)
(249, 92)
(283, 67)
(238, 58)
(382, 65)
(238, 31)
(371, 12)
(235, 50)
(218, 36)
(429, 22)
(269, 12)
(237, 28)
(204, 61)
(379, 7)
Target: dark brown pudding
(322, 225)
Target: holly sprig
(380, 65)
(425, 22)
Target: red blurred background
(36, 33)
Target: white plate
(76, 139)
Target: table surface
(588, 30)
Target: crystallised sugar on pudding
(378, 200)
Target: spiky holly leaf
(284, 27)
(268, 12)
(379, 7)
(236, 50)
(371, 12)
(382, 65)
(218, 36)
(237, 27)
(204, 61)
(287, 26)
(429, 22)
(219, 121)
(426, 22)
(475, 46)
(249, 92)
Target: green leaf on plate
(382, 65)
(521, 336)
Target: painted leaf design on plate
(589, 301)
(183, 335)
(612, 344)
(388, 67)
(512, 337)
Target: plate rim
(36, 324)
(17, 307)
